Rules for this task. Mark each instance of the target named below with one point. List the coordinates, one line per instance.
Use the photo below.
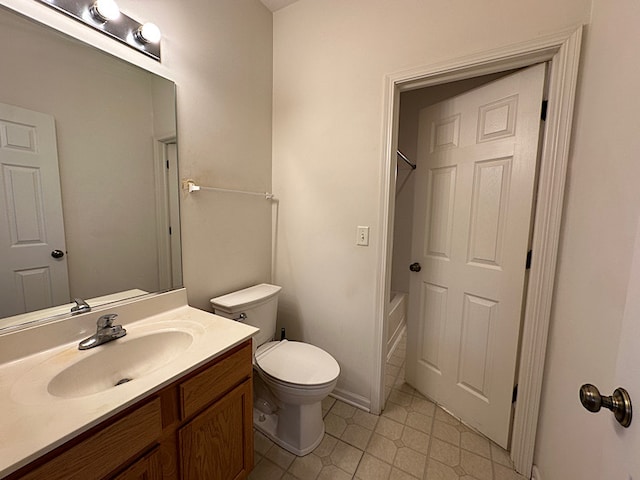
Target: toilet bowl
(292, 378)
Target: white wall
(330, 59)
(601, 210)
(220, 56)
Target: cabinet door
(147, 468)
(218, 443)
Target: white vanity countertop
(34, 422)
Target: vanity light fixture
(105, 16)
(148, 33)
(105, 10)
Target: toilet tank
(260, 305)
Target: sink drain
(124, 380)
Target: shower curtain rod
(401, 155)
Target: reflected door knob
(619, 403)
(415, 267)
(57, 254)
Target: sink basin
(118, 362)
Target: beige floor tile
(326, 446)
(331, 472)
(395, 412)
(444, 431)
(445, 417)
(372, 468)
(501, 472)
(346, 457)
(410, 461)
(406, 388)
(280, 456)
(334, 424)
(419, 422)
(343, 410)
(288, 476)
(397, 474)
(364, 419)
(261, 443)
(266, 470)
(500, 456)
(440, 471)
(382, 448)
(475, 443)
(389, 428)
(396, 360)
(327, 403)
(357, 436)
(479, 467)
(307, 467)
(423, 406)
(392, 370)
(416, 440)
(444, 452)
(400, 398)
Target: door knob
(57, 254)
(415, 267)
(619, 403)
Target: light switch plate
(363, 236)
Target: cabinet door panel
(218, 443)
(147, 468)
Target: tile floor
(412, 439)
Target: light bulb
(148, 33)
(105, 10)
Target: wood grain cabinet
(199, 427)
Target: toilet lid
(297, 363)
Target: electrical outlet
(363, 236)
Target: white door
(477, 157)
(31, 225)
(621, 446)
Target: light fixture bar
(124, 28)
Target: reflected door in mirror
(31, 228)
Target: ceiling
(274, 5)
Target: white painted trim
(162, 213)
(535, 473)
(562, 50)
(352, 399)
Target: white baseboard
(357, 401)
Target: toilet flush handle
(241, 318)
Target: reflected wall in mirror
(112, 127)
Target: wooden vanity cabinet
(199, 427)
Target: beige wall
(602, 206)
(330, 59)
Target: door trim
(562, 50)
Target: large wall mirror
(88, 176)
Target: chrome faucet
(80, 307)
(106, 332)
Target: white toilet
(293, 377)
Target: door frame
(562, 50)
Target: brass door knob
(619, 403)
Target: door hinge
(528, 263)
(514, 395)
(543, 113)
(169, 230)
(167, 164)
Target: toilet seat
(297, 363)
